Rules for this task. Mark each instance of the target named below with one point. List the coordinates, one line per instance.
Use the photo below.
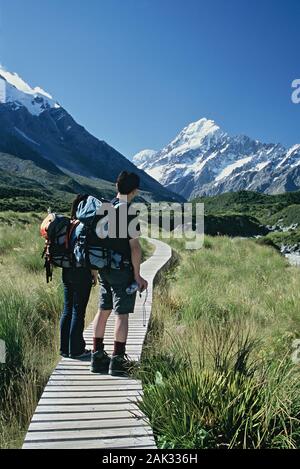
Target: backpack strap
(72, 226)
(116, 203)
(48, 266)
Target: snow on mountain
(229, 169)
(26, 136)
(201, 134)
(33, 126)
(292, 157)
(17, 93)
(143, 157)
(204, 160)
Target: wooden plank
(88, 380)
(134, 348)
(88, 390)
(85, 374)
(132, 336)
(84, 400)
(112, 443)
(37, 426)
(87, 433)
(69, 371)
(136, 415)
(91, 393)
(79, 409)
(113, 407)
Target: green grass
(29, 317)
(11, 218)
(217, 368)
(287, 216)
(29, 322)
(32, 183)
(288, 238)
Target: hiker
(77, 282)
(115, 281)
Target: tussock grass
(12, 218)
(29, 316)
(217, 367)
(29, 323)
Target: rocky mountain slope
(33, 126)
(205, 160)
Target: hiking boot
(84, 355)
(119, 365)
(100, 362)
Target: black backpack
(57, 230)
(93, 249)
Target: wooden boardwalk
(79, 409)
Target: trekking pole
(144, 308)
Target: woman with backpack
(77, 282)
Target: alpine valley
(204, 160)
(46, 155)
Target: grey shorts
(113, 284)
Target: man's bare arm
(136, 258)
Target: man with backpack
(115, 281)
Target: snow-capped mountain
(143, 156)
(34, 126)
(205, 160)
(17, 93)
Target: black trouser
(77, 287)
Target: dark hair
(79, 198)
(127, 182)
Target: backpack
(57, 230)
(92, 247)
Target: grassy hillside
(289, 238)
(27, 184)
(30, 197)
(233, 225)
(256, 209)
(268, 209)
(287, 216)
(217, 369)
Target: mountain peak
(194, 135)
(201, 127)
(15, 80)
(14, 90)
(34, 127)
(143, 156)
(204, 160)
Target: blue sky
(135, 72)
